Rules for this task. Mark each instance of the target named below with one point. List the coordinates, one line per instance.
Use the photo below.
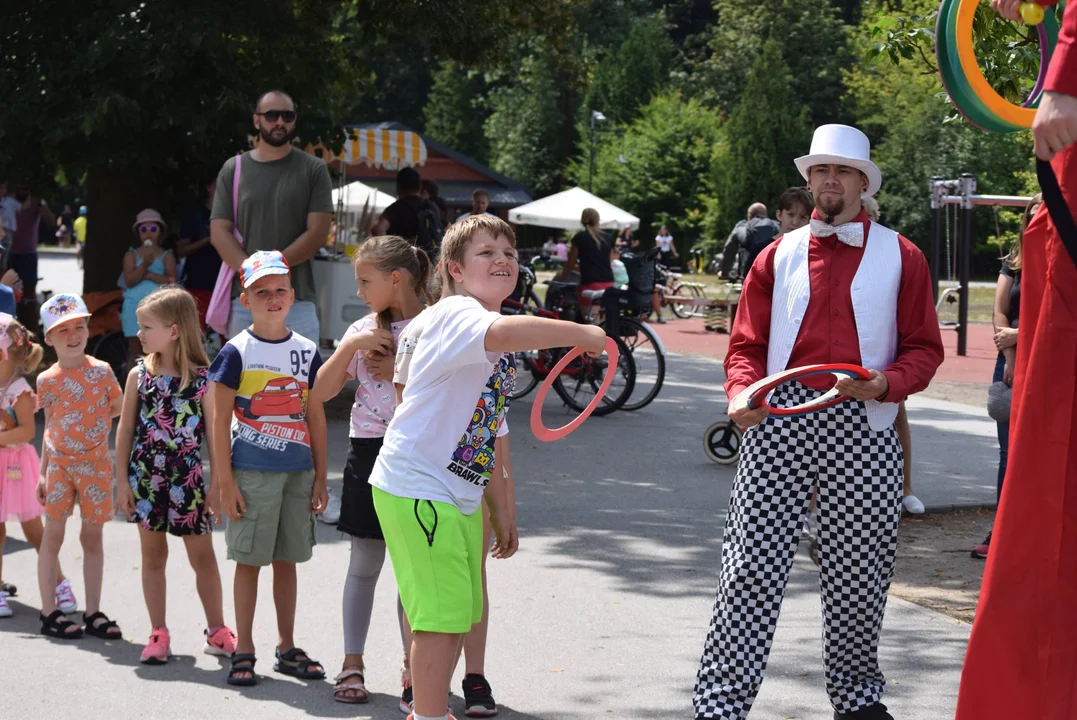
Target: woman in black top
(590, 250)
(1004, 319)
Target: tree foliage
(456, 109)
(524, 124)
(755, 163)
(812, 37)
(658, 166)
(627, 77)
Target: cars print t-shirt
(271, 379)
(79, 404)
(375, 400)
(439, 445)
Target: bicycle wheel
(649, 356)
(686, 310)
(722, 441)
(578, 383)
(527, 375)
(112, 348)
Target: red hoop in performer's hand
(546, 434)
(759, 390)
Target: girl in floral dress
(159, 463)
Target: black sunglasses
(273, 116)
(147, 228)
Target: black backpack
(757, 234)
(430, 230)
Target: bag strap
(1057, 207)
(235, 189)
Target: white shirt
(665, 242)
(440, 443)
(8, 207)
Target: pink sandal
(352, 693)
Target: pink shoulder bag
(220, 305)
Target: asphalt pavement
(602, 613)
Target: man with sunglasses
(285, 203)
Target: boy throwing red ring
(841, 290)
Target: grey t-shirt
(274, 200)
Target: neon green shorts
(436, 553)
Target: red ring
(759, 390)
(546, 434)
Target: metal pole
(968, 187)
(591, 164)
(936, 237)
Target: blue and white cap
(262, 263)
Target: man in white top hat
(841, 290)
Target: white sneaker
(331, 516)
(5, 611)
(66, 602)
(912, 505)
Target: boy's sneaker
(478, 699)
(331, 516)
(407, 699)
(222, 642)
(980, 551)
(66, 602)
(5, 611)
(451, 716)
(158, 649)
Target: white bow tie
(850, 233)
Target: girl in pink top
(393, 277)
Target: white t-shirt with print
(375, 400)
(440, 443)
(665, 242)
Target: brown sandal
(352, 693)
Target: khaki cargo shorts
(279, 521)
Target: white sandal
(351, 693)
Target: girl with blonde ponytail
(394, 281)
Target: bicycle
(579, 382)
(670, 285)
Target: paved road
(601, 615)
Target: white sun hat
(841, 145)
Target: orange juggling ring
(546, 434)
(759, 390)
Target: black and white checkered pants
(858, 472)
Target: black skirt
(357, 515)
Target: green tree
(765, 132)
(455, 110)
(628, 77)
(524, 124)
(813, 40)
(147, 99)
(916, 134)
(658, 166)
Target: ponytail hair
(26, 353)
(391, 252)
(589, 219)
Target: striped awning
(389, 149)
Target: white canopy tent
(563, 211)
(353, 196)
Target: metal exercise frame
(961, 192)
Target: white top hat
(841, 145)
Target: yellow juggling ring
(1000, 106)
